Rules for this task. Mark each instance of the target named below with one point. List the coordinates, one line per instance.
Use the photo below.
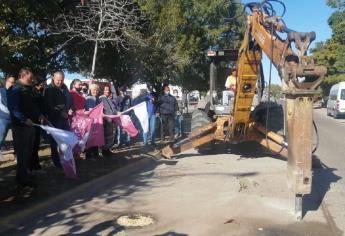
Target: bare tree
(100, 21)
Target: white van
(336, 100)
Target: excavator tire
(200, 119)
(275, 116)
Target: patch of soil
(53, 182)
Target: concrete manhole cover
(135, 220)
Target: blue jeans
(151, 135)
(178, 125)
(122, 136)
(4, 127)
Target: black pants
(91, 152)
(35, 162)
(168, 121)
(23, 142)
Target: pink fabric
(78, 101)
(69, 168)
(96, 138)
(125, 122)
(81, 127)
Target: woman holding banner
(91, 101)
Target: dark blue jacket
(124, 103)
(22, 104)
(167, 105)
(57, 101)
(151, 101)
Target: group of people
(27, 102)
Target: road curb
(13, 221)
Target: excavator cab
(220, 98)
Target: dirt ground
(53, 182)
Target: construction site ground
(232, 190)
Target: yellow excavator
(237, 121)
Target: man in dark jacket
(167, 110)
(24, 111)
(58, 107)
(110, 108)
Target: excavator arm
(300, 79)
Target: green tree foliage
(276, 91)
(175, 34)
(23, 41)
(332, 52)
(179, 32)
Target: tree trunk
(96, 42)
(94, 60)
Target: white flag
(140, 111)
(65, 140)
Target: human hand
(64, 115)
(43, 120)
(28, 122)
(70, 112)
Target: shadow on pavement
(243, 150)
(69, 212)
(171, 234)
(323, 177)
(109, 226)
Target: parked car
(336, 100)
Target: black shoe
(29, 184)
(107, 152)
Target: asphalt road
(235, 190)
(331, 176)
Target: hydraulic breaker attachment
(299, 109)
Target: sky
(303, 16)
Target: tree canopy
(175, 35)
(332, 52)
